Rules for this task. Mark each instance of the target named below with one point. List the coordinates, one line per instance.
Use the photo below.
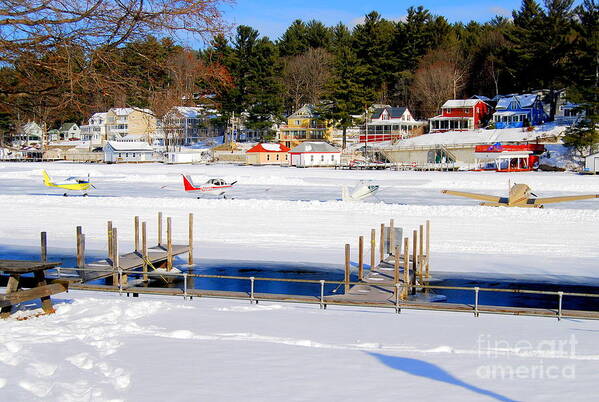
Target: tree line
(420, 61)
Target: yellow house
(123, 121)
(267, 154)
(304, 125)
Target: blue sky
(272, 17)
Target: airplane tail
(188, 183)
(47, 179)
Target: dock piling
(372, 247)
(391, 237)
(115, 256)
(414, 258)
(397, 253)
(421, 261)
(347, 268)
(44, 247)
(109, 238)
(159, 228)
(382, 245)
(136, 233)
(361, 258)
(428, 247)
(190, 255)
(80, 262)
(169, 244)
(144, 251)
(406, 267)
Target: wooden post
(397, 253)
(391, 237)
(347, 268)
(415, 258)
(421, 262)
(190, 244)
(421, 256)
(159, 228)
(382, 245)
(144, 251)
(79, 251)
(361, 258)
(115, 257)
(44, 247)
(136, 231)
(372, 247)
(428, 247)
(109, 237)
(406, 267)
(169, 244)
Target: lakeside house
(127, 152)
(267, 154)
(461, 115)
(387, 123)
(516, 111)
(304, 125)
(312, 154)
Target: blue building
(514, 111)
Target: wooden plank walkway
(342, 301)
(157, 255)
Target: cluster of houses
(186, 134)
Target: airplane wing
(482, 197)
(553, 200)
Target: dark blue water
(330, 272)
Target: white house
(69, 131)
(29, 134)
(95, 129)
(187, 156)
(309, 154)
(388, 123)
(123, 152)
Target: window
(311, 158)
(297, 122)
(267, 157)
(133, 154)
(322, 158)
(332, 158)
(277, 156)
(126, 154)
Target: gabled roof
(394, 112)
(126, 111)
(517, 101)
(313, 147)
(268, 148)
(457, 103)
(67, 126)
(130, 146)
(306, 111)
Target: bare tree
(72, 44)
(441, 75)
(305, 76)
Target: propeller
(533, 194)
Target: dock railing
(394, 302)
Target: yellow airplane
(519, 196)
(71, 183)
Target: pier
(398, 275)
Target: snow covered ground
(103, 347)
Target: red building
(461, 115)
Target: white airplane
(359, 193)
(219, 186)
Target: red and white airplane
(219, 186)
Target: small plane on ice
(359, 193)
(219, 186)
(519, 196)
(70, 184)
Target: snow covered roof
(188, 111)
(394, 112)
(126, 111)
(477, 137)
(517, 101)
(129, 146)
(305, 111)
(456, 103)
(313, 147)
(268, 148)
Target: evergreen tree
(293, 42)
(347, 96)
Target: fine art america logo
(522, 359)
